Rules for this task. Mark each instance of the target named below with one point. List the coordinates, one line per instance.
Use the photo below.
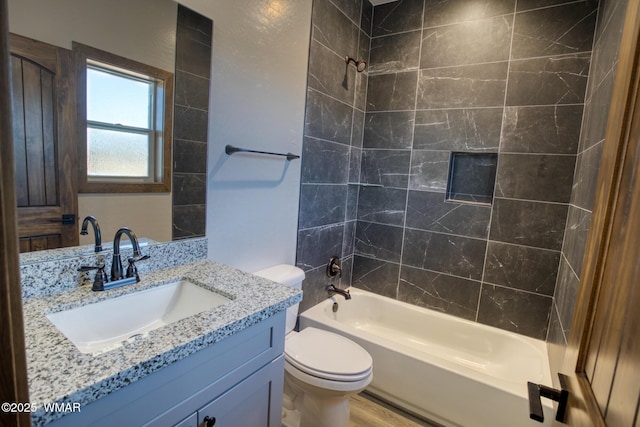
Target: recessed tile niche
(472, 177)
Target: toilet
(322, 369)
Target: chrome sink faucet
(116, 264)
(96, 231)
(333, 290)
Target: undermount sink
(103, 326)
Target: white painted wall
(143, 30)
(258, 91)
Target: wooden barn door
(44, 144)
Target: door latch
(67, 219)
(537, 391)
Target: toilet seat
(326, 355)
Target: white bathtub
(449, 370)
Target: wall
(258, 79)
(110, 26)
(332, 141)
(503, 78)
(600, 87)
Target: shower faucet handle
(333, 267)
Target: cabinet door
(256, 401)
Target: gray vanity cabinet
(238, 381)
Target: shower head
(360, 65)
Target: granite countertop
(59, 373)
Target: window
(125, 132)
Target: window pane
(114, 153)
(118, 100)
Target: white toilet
(322, 369)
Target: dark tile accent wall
(598, 97)
(494, 79)
(190, 123)
(503, 77)
(333, 145)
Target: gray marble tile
(327, 118)
(471, 42)
(357, 128)
(443, 12)
(429, 211)
(392, 129)
(546, 129)
(395, 91)
(314, 288)
(395, 17)
(472, 177)
(366, 20)
(611, 17)
(333, 29)
(475, 129)
(556, 341)
(352, 202)
(329, 74)
(585, 178)
(440, 292)
(364, 49)
(386, 167)
(535, 177)
(537, 224)
(376, 276)
(362, 84)
(521, 267)
(349, 239)
(397, 52)
(383, 205)
(193, 50)
(351, 8)
(191, 90)
(554, 31)
(429, 170)
(321, 204)
(575, 239)
(355, 162)
(317, 245)
(324, 162)
(455, 255)
(566, 295)
(548, 81)
(462, 87)
(188, 221)
(193, 26)
(190, 124)
(189, 189)
(379, 241)
(536, 4)
(596, 114)
(513, 310)
(189, 156)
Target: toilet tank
(287, 275)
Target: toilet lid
(327, 355)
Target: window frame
(161, 173)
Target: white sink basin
(103, 326)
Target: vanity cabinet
(238, 381)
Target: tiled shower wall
(190, 126)
(501, 77)
(600, 87)
(505, 77)
(332, 140)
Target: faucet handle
(101, 276)
(132, 270)
(138, 258)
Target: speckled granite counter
(59, 373)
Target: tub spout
(333, 290)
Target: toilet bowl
(322, 369)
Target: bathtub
(448, 370)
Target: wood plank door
(44, 144)
(602, 360)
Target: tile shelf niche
(472, 177)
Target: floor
(367, 411)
